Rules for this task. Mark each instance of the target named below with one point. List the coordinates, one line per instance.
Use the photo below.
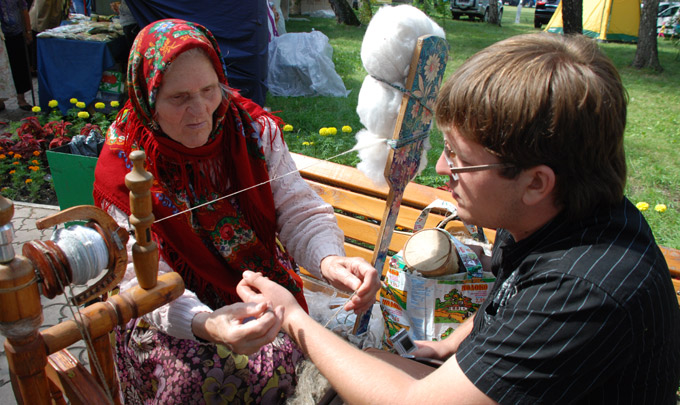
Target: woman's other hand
(242, 327)
(352, 274)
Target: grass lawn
(652, 134)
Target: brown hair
(545, 99)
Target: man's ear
(539, 183)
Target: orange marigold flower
(2, 157)
(29, 181)
(17, 156)
(36, 153)
(15, 163)
(34, 168)
(12, 171)
(35, 162)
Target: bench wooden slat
(673, 259)
(368, 206)
(415, 195)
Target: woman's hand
(256, 288)
(352, 274)
(243, 327)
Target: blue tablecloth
(68, 68)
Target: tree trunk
(344, 13)
(647, 54)
(295, 8)
(572, 16)
(494, 16)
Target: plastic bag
(89, 145)
(301, 64)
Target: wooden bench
(359, 206)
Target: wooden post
(144, 251)
(20, 318)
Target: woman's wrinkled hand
(242, 327)
(352, 274)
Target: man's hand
(243, 327)
(255, 288)
(352, 274)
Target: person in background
(583, 308)
(16, 27)
(6, 84)
(212, 152)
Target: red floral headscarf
(210, 246)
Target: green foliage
(652, 133)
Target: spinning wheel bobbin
(52, 264)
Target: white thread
(354, 149)
(85, 251)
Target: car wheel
(537, 24)
(455, 16)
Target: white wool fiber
(374, 93)
(386, 53)
(374, 158)
(390, 39)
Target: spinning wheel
(42, 371)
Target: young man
(583, 309)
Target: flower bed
(24, 171)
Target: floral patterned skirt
(156, 368)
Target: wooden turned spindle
(145, 250)
(20, 317)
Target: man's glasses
(449, 155)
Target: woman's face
(187, 98)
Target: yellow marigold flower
(99, 105)
(3, 157)
(73, 100)
(35, 162)
(332, 131)
(12, 171)
(287, 128)
(80, 104)
(660, 208)
(17, 156)
(36, 153)
(305, 143)
(35, 109)
(53, 103)
(323, 131)
(29, 181)
(346, 129)
(83, 114)
(114, 104)
(642, 206)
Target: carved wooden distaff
(40, 367)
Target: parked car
(664, 5)
(544, 11)
(473, 8)
(665, 18)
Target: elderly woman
(203, 141)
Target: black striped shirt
(582, 312)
